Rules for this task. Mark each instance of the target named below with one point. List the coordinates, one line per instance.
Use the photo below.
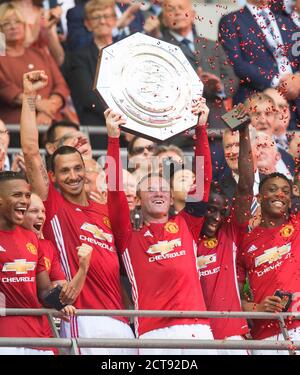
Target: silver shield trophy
(152, 83)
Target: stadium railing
(73, 344)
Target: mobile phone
(52, 298)
(286, 299)
(233, 121)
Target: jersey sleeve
(56, 272)
(53, 201)
(197, 199)
(118, 209)
(41, 266)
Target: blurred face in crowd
(182, 183)
(296, 185)
(275, 197)
(4, 136)
(262, 114)
(35, 216)
(130, 185)
(294, 146)
(101, 22)
(231, 144)
(155, 197)
(14, 201)
(267, 154)
(69, 174)
(215, 213)
(12, 27)
(283, 114)
(297, 6)
(178, 15)
(59, 133)
(141, 153)
(78, 140)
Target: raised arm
(244, 193)
(118, 209)
(35, 168)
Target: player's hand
(43, 119)
(200, 108)
(65, 313)
(128, 16)
(84, 253)
(113, 122)
(152, 26)
(270, 304)
(98, 196)
(18, 164)
(68, 294)
(34, 81)
(289, 86)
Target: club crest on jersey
(171, 227)
(287, 231)
(97, 232)
(204, 260)
(164, 247)
(19, 266)
(47, 262)
(31, 248)
(210, 243)
(106, 221)
(272, 255)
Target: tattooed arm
(35, 168)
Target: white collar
(179, 38)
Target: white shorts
(234, 351)
(24, 351)
(98, 327)
(294, 334)
(182, 331)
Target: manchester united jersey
(51, 260)
(271, 258)
(19, 264)
(217, 272)
(68, 226)
(160, 259)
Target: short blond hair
(8, 9)
(93, 5)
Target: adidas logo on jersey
(148, 234)
(77, 209)
(2, 249)
(252, 248)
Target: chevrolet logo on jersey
(97, 232)
(164, 247)
(19, 266)
(272, 255)
(204, 260)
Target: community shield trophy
(152, 83)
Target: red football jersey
(51, 260)
(69, 225)
(20, 262)
(217, 272)
(160, 259)
(271, 258)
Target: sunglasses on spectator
(140, 150)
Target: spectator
(206, 56)
(17, 61)
(41, 27)
(79, 219)
(100, 19)
(282, 118)
(129, 20)
(95, 184)
(294, 147)
(4, 142)
(170, 152)
(296, 193)
(78, 140)
(181, 183)
(259, 48)
(55, 132)
(140, 153)
(268, 157)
